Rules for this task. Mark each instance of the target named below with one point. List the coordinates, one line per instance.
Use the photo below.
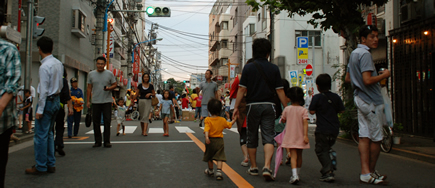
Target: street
(176, 161)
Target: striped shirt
(10, 74)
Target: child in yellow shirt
(214, 142)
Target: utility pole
(272, 32)
(29, 40)
(130, 41)
(99, 14)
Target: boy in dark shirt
(326, 105)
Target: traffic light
(37, 21)
(184, 81)
(165, 82)
(158, 11)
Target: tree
(342, 16)
(178, 86)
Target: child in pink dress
(296, 128)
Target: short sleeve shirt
(166, 106)
(253, 81)
(360, 61)
(144, 91)
(121, 111)
(208, 91)
(98, 81)
(326, 113)
(215, 126)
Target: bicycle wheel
(134, 115)
(354, 129)
(387, 142)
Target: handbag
(277, 101)
(154, 101)
(88, 119)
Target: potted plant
(398, 133)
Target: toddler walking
(214, 142)
(165, 109)
(296, 130)
(120, 116)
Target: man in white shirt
(50, 85)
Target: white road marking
(222, 132)
(155, 130)
(182, 129)
(138, 142)
(234, 129)
(92, 131)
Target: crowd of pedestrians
(259, 99)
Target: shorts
(215, 150)
(369, 120)
(204, 111)
(165, 115)
(227, 108)
(120, 120)
(264, 115)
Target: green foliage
(178, 85)
(398, 129)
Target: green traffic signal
(184, 81)
(165, 82)
(150, 10)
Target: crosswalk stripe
(183, 129)
(92, 131)
(156, 130)
(203, 129)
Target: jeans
(75, 118)
(197, 112)
(324, 142)
(60, 128)
(4, 149)
(106, 110)
(43, 139)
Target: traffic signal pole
(29, 39)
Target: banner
(136, 61)
(232, 71)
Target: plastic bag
(387, 107)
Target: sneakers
(294, 180)
(219, 175)
(253, 171)
(267, 174)
(370, 180)
(379, 176)
(208, 172)
(328, 177)
(245, 163)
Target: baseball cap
(73, 79)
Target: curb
(400, 152)
(23, 138)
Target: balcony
(213, 58)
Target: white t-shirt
(160, 97)
(227, 101)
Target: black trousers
(324, 142)
(60, 128)
(106, 109)
(4, 150)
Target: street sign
(293, 77)
(302, 50)
(309, 70)
(219, 78)
(301, 79)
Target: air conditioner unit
(407, 12)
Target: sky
(185, 36)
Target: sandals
(219, 175)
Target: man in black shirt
(261, 80)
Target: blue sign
(302, 42)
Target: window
(264, 23)
(310, 34)
(78, 23)
(251, 29)
(259, 17)
(235, 43)
(224, 44)
(224, 62)
(235, 19)
(224, 25)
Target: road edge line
(233, 175)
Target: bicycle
(387, 141)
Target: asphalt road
(176, 161)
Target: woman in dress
(145, 91)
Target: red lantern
(114, 72)
(110, 67)
(120, 78)
(125, 81)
